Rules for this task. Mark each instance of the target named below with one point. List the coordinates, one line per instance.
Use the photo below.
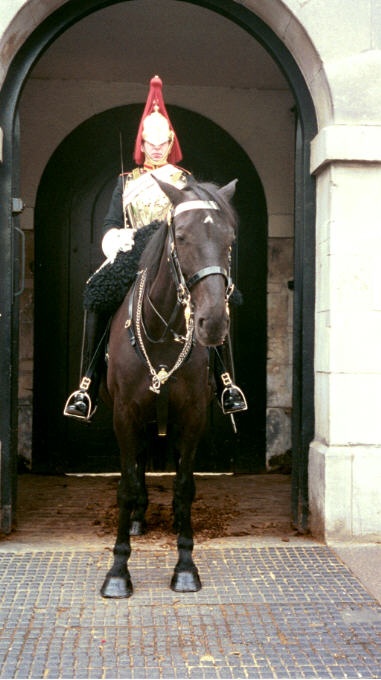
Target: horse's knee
(184, 489)
(128, 493)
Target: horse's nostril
(212, 332)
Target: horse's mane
(152, 253)
(107, 287)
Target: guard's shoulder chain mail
(143, 200)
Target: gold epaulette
(177, 175)
(132, 174)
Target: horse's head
(202, 229)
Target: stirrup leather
(229, 385)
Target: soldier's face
(156, 152)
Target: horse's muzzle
(211, 331)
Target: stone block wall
(279, 349)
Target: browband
(194, 205)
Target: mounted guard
(138, 205)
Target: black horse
(158, 355)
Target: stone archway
(46, 31)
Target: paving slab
(265, 611)
(364, 560)
(273, 604)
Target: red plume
(155, 99)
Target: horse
(158, 353)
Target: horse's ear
(174, 194)
(228, 190)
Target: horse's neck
(160, 302)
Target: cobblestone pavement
(265, 611)
(271, 606)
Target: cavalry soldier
(138, 201)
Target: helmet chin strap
(149, 161)
(150, 164)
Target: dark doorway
(71, 203)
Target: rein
(183, 287)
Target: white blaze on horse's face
(204, 231)
(204, 238)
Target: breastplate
(144, 201)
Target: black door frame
(303, 396)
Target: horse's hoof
(136, 528)
(116, 587)
(186, 582)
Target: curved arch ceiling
(110, 45)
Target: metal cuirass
(143, 200)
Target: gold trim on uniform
(143, 200)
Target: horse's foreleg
(185, 577)
(118, 581)
(138, 523)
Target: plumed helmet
(155, 125)
(156, 129)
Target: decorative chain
(162, 376)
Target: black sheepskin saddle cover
(107, 287)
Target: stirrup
(86, 400)
(238, 399)
(239, 402)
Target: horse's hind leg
(118, 581)
(185, 577)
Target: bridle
(183, 288)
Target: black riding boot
(82, 403)
(230, 396)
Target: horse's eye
(180, 237)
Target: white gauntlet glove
(116, 240)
